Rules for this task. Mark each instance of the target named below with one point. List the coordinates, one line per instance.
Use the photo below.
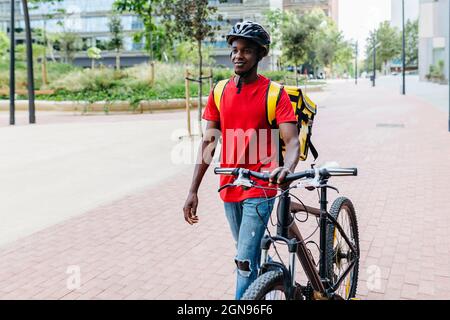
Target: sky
(358, 17)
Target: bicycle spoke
(275, 295)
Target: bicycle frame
(288, 232)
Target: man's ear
(261, 54)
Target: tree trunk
(152, 73)
(296, 74)
(52, 52)
(200, 87)
(44, 70)
(150, 48)
(44, 59)
(117, 60)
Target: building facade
(234, 11)
(89, 20)
(329, 7)
(411, 12)
(433, 36)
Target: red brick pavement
(139, 247)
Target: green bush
(131, 84)
(222, 73)
(275, 75)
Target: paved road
(139, 246)
(66, 165)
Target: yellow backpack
(304, 110)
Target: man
(243, 110)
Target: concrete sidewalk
(432, 93)
(66, 165)
(139, 247)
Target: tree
(389, 41)
(297, 36)
(67, 41)
(4, 45)
(94, 53)
(146, 10)
(69, 44)
(328, 42)
(34, 4)
(191, 22)
(161, 45)
(275, 19)
(370, 44)
(412, 43)
(21, 52)
(116, 42)
(344, 56)
(187, 53)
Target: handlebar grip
(226, 171)
(342, 171)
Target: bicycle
(338, 251)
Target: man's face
(244, 55)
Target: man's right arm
(204, 158)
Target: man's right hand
(190, 208)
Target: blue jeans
(248, 230)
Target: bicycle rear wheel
(339, 255)
(268, 286)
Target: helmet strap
(245, 75)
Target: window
(219, 2)
(136, 24)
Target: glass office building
(89, 19)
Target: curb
(102, 106)
(116, 106)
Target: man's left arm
(289, 133)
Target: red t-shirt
(248, 141)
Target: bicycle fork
(290, 272)
(283, 233)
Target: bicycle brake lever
(328, 186)
(226, 186)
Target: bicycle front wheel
(268, 286)
(339, 255)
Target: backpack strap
(219, 88)
(273, 96)
(313, 149)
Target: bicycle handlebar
(324, 173)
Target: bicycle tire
(264, 284)
(338, 206)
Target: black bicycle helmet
(252, 31)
